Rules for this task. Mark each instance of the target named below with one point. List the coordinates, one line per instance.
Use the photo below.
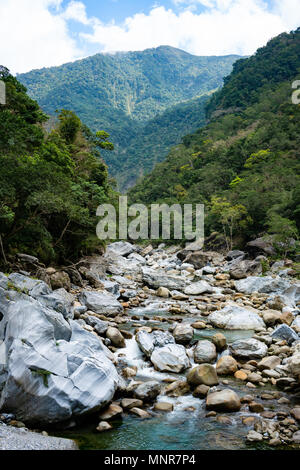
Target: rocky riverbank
(128, 333)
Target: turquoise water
(186, 428)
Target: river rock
(205, 352)
(235, 317)
(103, 426)
(244, 268)
(170, 358)
(51, 369)
(199, 259)
(163, 292)
(269, 363)
(286, 333)
(183, 333)
(219, 341)
(201, 391)
(103, 303)
(224, 400)
(294, 365)
(114, 335)
(271, 317)
(29, 286)
(158, 279)
(248, 349)
(121, 248)
(163, 406)
(147, 391)
(204, 374)
(226, 365)
(111, 412)
(197, 288)
(60, 280)
(264, 285)
(128, 403)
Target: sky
(43, 33)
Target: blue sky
(43, 33)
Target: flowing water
(185, 428)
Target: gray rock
(121, 248)
(235, 317)
(245, 268)
(234, 254)
(248, 349)
(263, 245)
(59, 300)
(147, 391)
(145, 342)
(112, 287)
(205, 352)
(12, 438)
(264, 285)
(170, 358)
(149, 341)
(99, 326)
(197, 288)
(52, 371)
(158, 279)
(101, 302)
(286, 333)
(183, 333)
(29, 286)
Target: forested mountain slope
(50, 184)
(125, 92)
(245, 164)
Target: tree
(232, 217)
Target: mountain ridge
(122, 92)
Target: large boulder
(245, 268)
(28, 285)
(59, 300)
(50, 368)
(265, 285)
(183, 333)
(158, 279)
(205, 352)
(197, 288)
(204, 374)
(121, 248)
(170, 358)
(101, 302)
(235, 317)
(224, 400)
(261, 246)
(248, 349)
(199, 259)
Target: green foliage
(50, 186)
(148, 100)
(247, 158)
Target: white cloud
(32, 36)
(224, 27)
(36, 33)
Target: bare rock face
(225, 400)
(50, 367)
